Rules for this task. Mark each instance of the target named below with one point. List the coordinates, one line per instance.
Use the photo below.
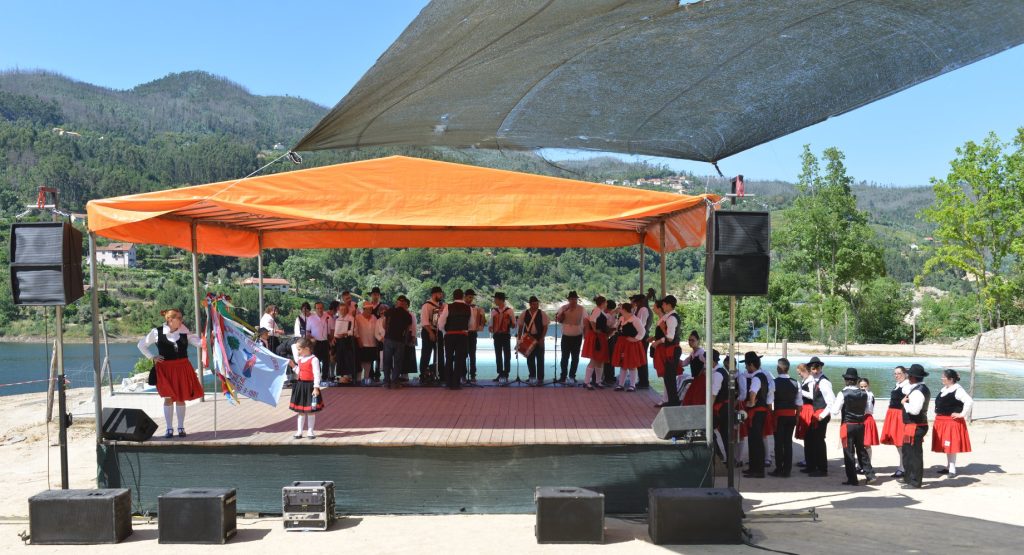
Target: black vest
(458, 317)
(855, 405)
(786, 391)
(947, 404)
(674, 340)
(921, 417)
(169, 350)
(602, 323)
(896, 398)
(819, 400)
(528, 323)
(761, 400)
(723, 393)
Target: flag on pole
(243, 364)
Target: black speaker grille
(46, 264)
(38, 244)
(742, 233)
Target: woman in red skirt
(870, 427)
(892, 428)
(803, 418)
(629, 348)
(949, 433)
(176, 380)
(595, 343)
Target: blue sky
(318, 50)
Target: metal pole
(643, 237)
(62, 403)
(709, 346)
(662, 241)
(259, 270)
(195, 294)
(732, 395)
(96, 366)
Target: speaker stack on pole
(46, 270)
(738, 246)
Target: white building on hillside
(269, 284)
(116, 254)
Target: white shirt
(696, 354)
(316, 326)
(755, 386)
(636, 323)
(268, 323)
(644, 314)
(427, 311)
(915, 402)
(572, 319)
(298, 324)
(475, 318)
(825, 386)
(343, 326)
(670, 326)
(809, 393)
(961, 395)
(540, 320)
(152, 337)
(716, 381)
(871, 403)
(365, 330)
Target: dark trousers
(455, 347)
(913, 458)
(535, 361)
(608, 376)
(755, 442)
(855, 451)
(571, 345)
(394, 360)
(471, 348)
(431, 347)
(503, 353)
(815, 451)
(784, 426)
(671, 365)
(345, 356)
(643, 372)
(322, 350)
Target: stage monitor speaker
(569, 515)
(695, 516)
(80, 516)
(738, 249)
(127, 425)
(46, 264)
(677, 421)
(197, 515)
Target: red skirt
(595, 347)
(176, 379)
(695, 394)
(803, 420)
(659, 361)
(629, 354)
(892, 428)
(769, 420)
(870, 431)
(950, 435)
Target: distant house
(116, 254)
(269, 284)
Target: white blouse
(961, 395)
(152, 337)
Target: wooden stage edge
(418, 451)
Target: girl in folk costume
(610, 312)
(176, 380)
(696, 360)
(803, 418)
(629, 349)
(892, 427)
(949, 432)
(595, 343)
(870, 427)
(306, 399)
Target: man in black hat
(668, 336)
(759, 399)
(432, 337)
(454, 323)
(787, 404)
(822, 397)
(503, 319)
(915, 426)
(571, 316)
(852, 405)
(477, 320)
(534, 322)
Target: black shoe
(753, 474)
(802, 464)
(817, 474)
(908, 486)
(944, 471)
(775, 473)
(860, 470)
(849, 483)
(807, 470)
(869, 479)
(897, 474)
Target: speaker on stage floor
(695, 516)
(678, 421)
(738, 249)
(197, 515)
(127, 425)
(80, 516)
(569, 515)
(46, 264)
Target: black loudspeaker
(569, 515)
(679, 421)
(738, 253)
(695, 516)
(127, 425)
(80, 516)
(197, 515)
(46, 264)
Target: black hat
(436, 289)
(375, 290)
(751, 358)
(917, 371)
(572, 295)
(715, 355)
(499, 295)
(815, 361)
(534, 299)
(851, 374)
(670, 299)
(470, 293)
(402, 298)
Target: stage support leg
(62, 402)
(661, 232)
(643, 237)
(732, 393)
(259, 270)
(196, 300)
(97, 367)
(709, 346)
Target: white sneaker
(571, 381)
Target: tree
(977, 213)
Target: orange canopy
(397, 202)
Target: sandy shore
(983, 490)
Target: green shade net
(697, 81)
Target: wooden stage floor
(436, 417)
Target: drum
(526, 344)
